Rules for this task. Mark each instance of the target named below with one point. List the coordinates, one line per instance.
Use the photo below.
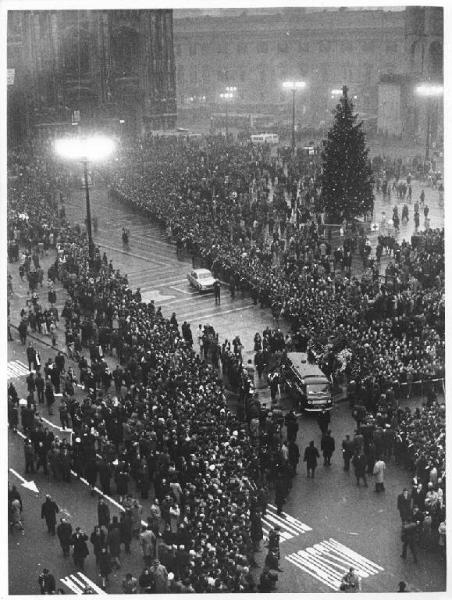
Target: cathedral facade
(91, 66)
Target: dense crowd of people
(167, 421)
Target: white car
(201, 279)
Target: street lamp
(85, 149)
(226, 96)
(294, 86)
(428, 90)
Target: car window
(195, 275)
(205, 275)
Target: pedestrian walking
(281, 491)
(105, 567)
(323, 420)
(379, 473)
(15, 515)
(409, 534)
(404, 505)
(327, 445)
(46, 582)
(294, 456)
(217, 290)
(148, 543)
(359, 463)
(64, 533)
(311, 454)
(49, 510)
(347, 451)
(79, 548)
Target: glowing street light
(85, 149)
(429, 91)
(294, 86)
(227, 96)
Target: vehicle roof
(202, 271)
(307, 370)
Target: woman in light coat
(379, 472)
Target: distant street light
(85, 149)
(294, 86)
(429, 91)
(227, 96)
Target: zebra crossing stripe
(354, 554)
(77, 583)
(16, 368)
(289, 521)
(329, 560)
(313, 571)
(289, 526)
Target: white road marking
(329, 560)
(16, 368)
(77, 582)
(155, 295)
(198, 314)
(288, 528)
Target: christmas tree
(347, 183)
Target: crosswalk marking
(329, 560)
(16, 368)
(78, 582)
(290, 527)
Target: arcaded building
(90, 66)
(379, 54)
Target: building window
(177, 49)
(283, 47)
(325, 46)
(241, 48)
(303, 47)
(391, 48)
(192, 49)
(262, 47)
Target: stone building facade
(92, 66)
(376, 53)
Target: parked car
(201, 279)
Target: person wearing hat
(49, 510)
(129, 584)
(46, 582)
(64, 533)
(160, 575)
(79, 548)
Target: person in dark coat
(98, 539)
(404, 506)
(409, 535)
(64, 533)
(256, 530)
(114, 542)
(105, 472)
(104, 564)
(311, 454)
(91, 471)
(46, 582)
(125, 525)
(281, 491)
(360, 464)
(49, 510)
(327, 445)
(347, 452)
(79, 548)
(103, 513)
(292, 426)
(294, 455)
(323, 420)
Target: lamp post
(226, 96)
(429, 91)
(294, 86)
(85, 149)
